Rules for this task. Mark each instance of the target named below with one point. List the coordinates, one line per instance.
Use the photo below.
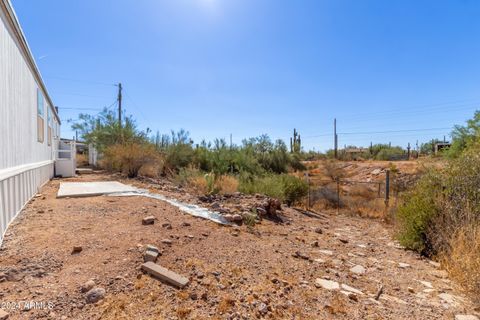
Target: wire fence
(367, 198)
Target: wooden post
(308, 195)
(387, 188)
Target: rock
(262, 308)
(410, 289)
(87, 286)
(318, 230)
(343, 240)
(261, 211)
(327, 284)
(447, 298)
(358, 269)
(426, 284)
(301, 255)
(167, 241)
(76, 249)
(435, 264)
(167, 225)
(3, 315)
(95, 295)
(148, 220)
(351, 289)
(326, 252)
(150, 256)
(403, 265)
(152, 248)
(186, 224)
(237, 218)
(193, 296)
(458, 317)
(319, 260)
(314, 244)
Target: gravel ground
(312, 267)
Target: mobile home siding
(25, 163)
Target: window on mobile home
(40, 117)
(49, 125)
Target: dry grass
(82, 159)
(151, 170)
(227, 184)
(334, 169)
(337, 305)
(226, 304)
(224, 184)
(463, 261)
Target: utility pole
(408, 149)
(335, 138)
(120, 104)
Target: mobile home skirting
(17, 186)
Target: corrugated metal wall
(16, 190)
(18, 106)
(25, 163)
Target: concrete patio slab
(90, 189)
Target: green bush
(416, 212)
(285, 187)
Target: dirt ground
(272, 271)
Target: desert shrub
(227, 184)
(390, 153)
(463, 259)
(128, 158)
(417, 209)
(284, 187)
(334, 169)
(294, 189)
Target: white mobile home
(29, 122)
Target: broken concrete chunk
(152, 248)
(327, 284)
(164, 274)
(358, 269)
(150, 256)
(148, 220)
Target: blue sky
(247, 67)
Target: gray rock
(95, 295)
(263, 308)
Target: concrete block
(164, 274)
(150, 256)
(148, 220)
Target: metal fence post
(338, 193)
(387, 188)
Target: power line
(78, 80)
(395, 131)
